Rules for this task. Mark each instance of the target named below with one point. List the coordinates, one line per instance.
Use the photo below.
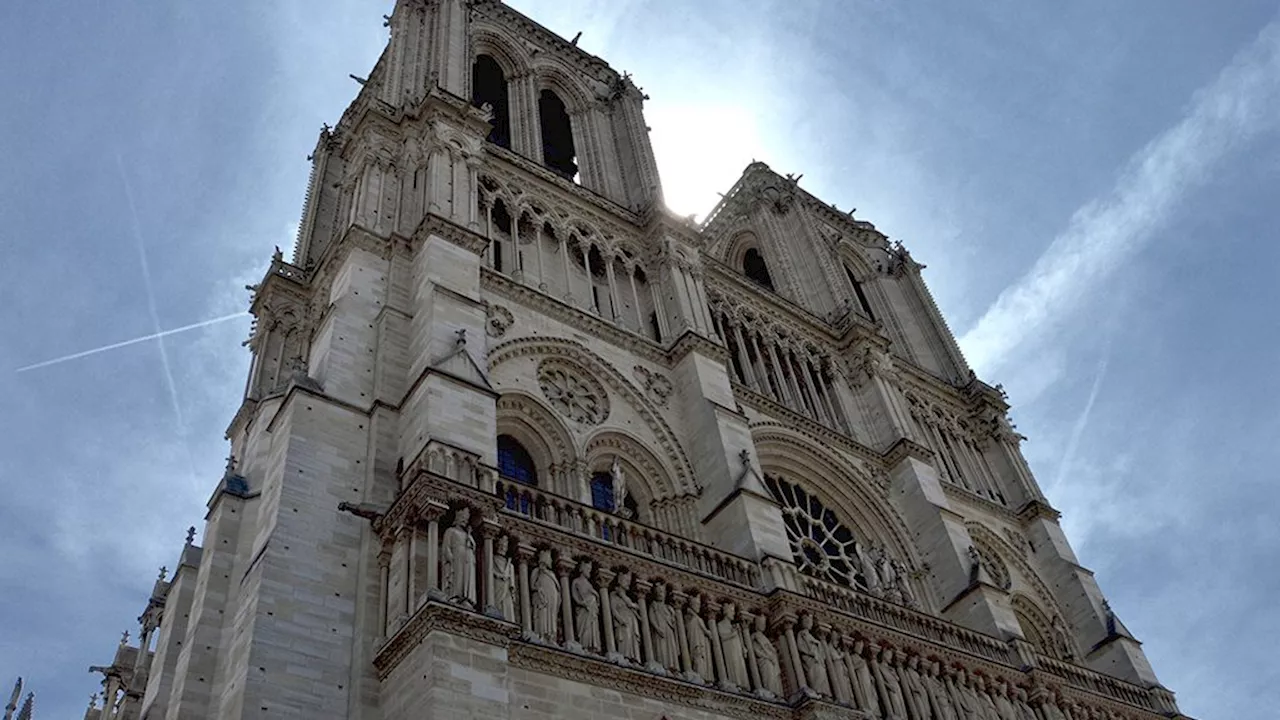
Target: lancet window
(489, 87)
(558, 152)
(959, 457)
(754, 267)
(781, 370)
(859, 293)
(568, 259)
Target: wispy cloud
(1082, 422)
(1241, 103)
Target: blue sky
(1092, 186)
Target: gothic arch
(646, 477)
(538, 429)
(676, 465)
(495, 42)
(1036, 626)
(1023, 577)
(847, 490)
(551, 75)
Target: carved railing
(532, 559)
(580, 518)
(903, 619)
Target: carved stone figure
(586, 609)
(967, 705)
(838, 670)
(888, 577)
(734, 649)
(1004, 703)
(619, 487)
(504, 581)
(1049, 707)
(864, 686)
(904, 584)
(626, 618)
(458, 559)
(699, 639)
(935, 685)
(895, 705)
(916, 696)
(1062, 644)
(813, 657)
(986, 705)
(663, 625)
(545, 598)
(766, 658)
(866, 568)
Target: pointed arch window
(515, 462)
(858, 292)
(489, 85)
(754, 267)
(558, 152)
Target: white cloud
(1242, 102)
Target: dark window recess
(754, 268)
(602, 491)
(489, 86)
(558, 152)
(514, 462)
(501, 222)
(862, 297)
(654, 327)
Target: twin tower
(517, 442)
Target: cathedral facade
(519, 443)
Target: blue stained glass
(602, 491)
(515, 462)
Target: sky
(1092, 186)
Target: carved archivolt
(646, 478)
(1020, 572)
(537, 428)
(668, 447)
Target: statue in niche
(1049, 706)
(504, 581)
(626, 618)
(935, 686)
(699, 639)
(864, 686)
(1020, 703)
(967, 705)
(1003, 703)
(458, 560)
(866, 568)
(813, 656)
(545, 598)
(734, 649)
(887, 675)
(838, 670)
(917, 696)
(586, 609)
(888, 577)
(662, 622)
(904, 584)
(619, 488)
(766, 658)
(986, 705)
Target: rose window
(573, 393)
(821, 545)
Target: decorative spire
(191, 535)
(25, 712)
(124, 639)
(163, 572)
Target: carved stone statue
(813, 657)
(939, 697)
(545, 598)
(619, 487)
(904, 584)
(504, 581)
(967, 705)
(888, 577)
(864, 686)
(866, 568)
(586, 609)
(626, 618)
(699, 639)
(734, 649)
(458, 560)
(662, 622)
(766, 658)
(838, 670)
(1062, 644)
(916, 696)
(891, 686)
(986, 703)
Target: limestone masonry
(519, 443)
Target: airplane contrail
(134, 341)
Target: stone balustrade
(538, 571)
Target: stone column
(635, 299)
(384, 586)
(488, 530)
(613, 287)
(744, 358)
(523, 554)
(678, 600)
(564, 566)
(409, 536)
(568, 277)
(646, 638)
(793, 655)
(753, 667)
(717, 652)
(433, 513)
(603, 578)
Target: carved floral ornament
(498, 320)
(656, 386)
(573, 392)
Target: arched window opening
(514, 462)
(558, 152)
(1030, 632)
(753, 266)
(602, 497)
(488, 85)
(597, 262)
(862, 296)
(502, 222)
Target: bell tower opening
(489, 85)
(754, 267)
(558, 152)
